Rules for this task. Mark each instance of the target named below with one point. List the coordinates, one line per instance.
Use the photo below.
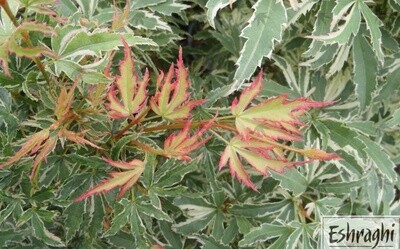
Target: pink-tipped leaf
(171, 100)
(275, 118)
(124, 179)
(132, 92)
(181, 144)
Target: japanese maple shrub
(82, 121)
(252, 132)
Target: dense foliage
(195, 124)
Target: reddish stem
(131, 124)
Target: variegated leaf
(76, 138)
(171, 101)
(133, 93)
(265, 26)
(11, 43)
(275, 118)
(259, 154)
(213, 6)
(124, 179)
(33, 144)
(351, 24)
(181, 144)
(64, 101)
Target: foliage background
(345, 51)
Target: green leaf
(321, 26)
(322, 57)
(143, 19)
(323, 132)
(344, 32)
(121, 240)
(213, 6)
(293, 240)
(272, 88)
(31, 78)
(218, 226)
(373, 191)
(287, 70)
(88, 7)
(7, 82)
(366, 127)
(391, 85)
(10, 236)
(193, 225)
(173, 239)
(94, 162)
(77, 43)
(215, 94)
(326, 206)
(95, 210)
(169, 7)
(65, 7)
(210, 242)
(230, 232)
(41, 232)
(380, 159)
(172, 172)
(243, 224)
(291, 180)
(143, 4)
(342, 187)
(73, 70)
(121, 218)
(265, 26)
(373, 23)
(258, 210)
(199, 211)
(300, 10)
(264, 232)
(74, 217)
(120, 144)
(138, 229)
(365, 71)
(346, 138)
(10, 122)
(394, 120)
(8, 210)
(153, 211)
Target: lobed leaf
(171, 101)
(47, 147)
(124, 180)
(259, 154)
(40, 231)
(76, 137)
(275, 118)
(33, 144)
(181, 144)
(259, 127)
(64, 101)
(133, 93)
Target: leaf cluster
(105, 142)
